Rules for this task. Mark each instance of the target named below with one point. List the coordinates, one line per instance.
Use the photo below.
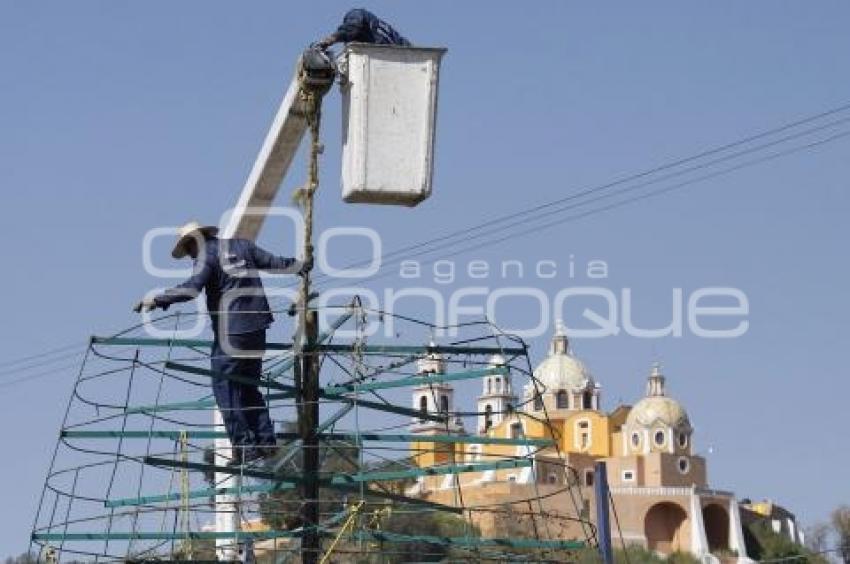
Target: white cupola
(563, 381)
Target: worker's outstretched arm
(188, 290)
(269, 262)
(354, 25)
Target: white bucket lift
(389, 114)
(389, 99)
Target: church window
(561, 400)
(635, 439)
(488, 417)
(582, 431)
(444, 404)
(423, 407)
(516, 430)
(684, 464)
(586, 400)
(683, 439)
(538, 402)
(498, 384)
(660, 438)
(489, 386)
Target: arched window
(660, 438)
(488, 417)
(683, 439)
(498, 384)
(489, 386)
(538, 402)
(587, 400)
(562, 400)
(444, 404)
(423, 407)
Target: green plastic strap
(165, 535)
(339, 479)
(350, 437)
(241, 379)
(164, 342)
(330, 348)
(470, 541)
(205, 493)
(420, 349)
(204, 404)
(416, 381)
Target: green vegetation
(765, 544)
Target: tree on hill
(841, 524)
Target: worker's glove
(324, 43)
(145, 305)
(306, 267)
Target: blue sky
(118, 117)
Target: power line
(31, 377)
(601, 209)
(43, 354)
(557, 202)
(45, 362)
(637, 176)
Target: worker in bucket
(227, 270)
(364, 27)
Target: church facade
(659, 486)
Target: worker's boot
(243, 455)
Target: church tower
(497, 399)
(434, 397)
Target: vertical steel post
(603, 519)
(311, 541)
(316, 77)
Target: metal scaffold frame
(127, 478)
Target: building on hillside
(780, 520)
(658, 483)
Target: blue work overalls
(227, 270)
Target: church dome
(654, 411)
(561, 370)
(657, 409)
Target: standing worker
(228, 271)
(364, 27)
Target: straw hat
(191, 230)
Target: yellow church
(659, 487)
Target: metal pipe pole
(603, 520)
(311, 541)
(316, 77)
